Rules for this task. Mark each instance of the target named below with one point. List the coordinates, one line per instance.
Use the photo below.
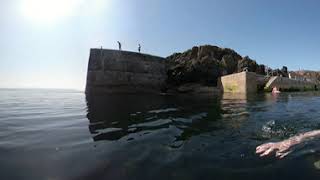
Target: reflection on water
(260, 117)
(125, 116)
(45, 132)
(129, 117)
(113, 117)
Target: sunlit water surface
(60, 134)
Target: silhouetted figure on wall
(139, 48)
(284, 71)
(119, 44)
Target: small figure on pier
(139, 48)
(119, 44)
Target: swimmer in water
(283, 148)
(275, 90)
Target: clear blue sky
(45, 43)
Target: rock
(261, 69)
(194, 52)
(194, 88)
(205, 64)
(229, 64)
(246, 62)
(187, 88)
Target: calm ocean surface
(61, 134)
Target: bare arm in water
(282, 148)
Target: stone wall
(114, 71)
(248, 82)
(244, 82)
(284, 83)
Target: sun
(48, 11)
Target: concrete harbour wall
(113, 71)
(248, 82)
(244, 82)
(283, 83)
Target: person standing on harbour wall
(119, 45)
(139, 48)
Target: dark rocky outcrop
(280, 72)
(205, 64)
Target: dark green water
(58, 134)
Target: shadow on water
(113, 117)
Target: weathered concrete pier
(244, 82)
(114, 71)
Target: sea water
(64, 134)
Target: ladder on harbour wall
(270, 81)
